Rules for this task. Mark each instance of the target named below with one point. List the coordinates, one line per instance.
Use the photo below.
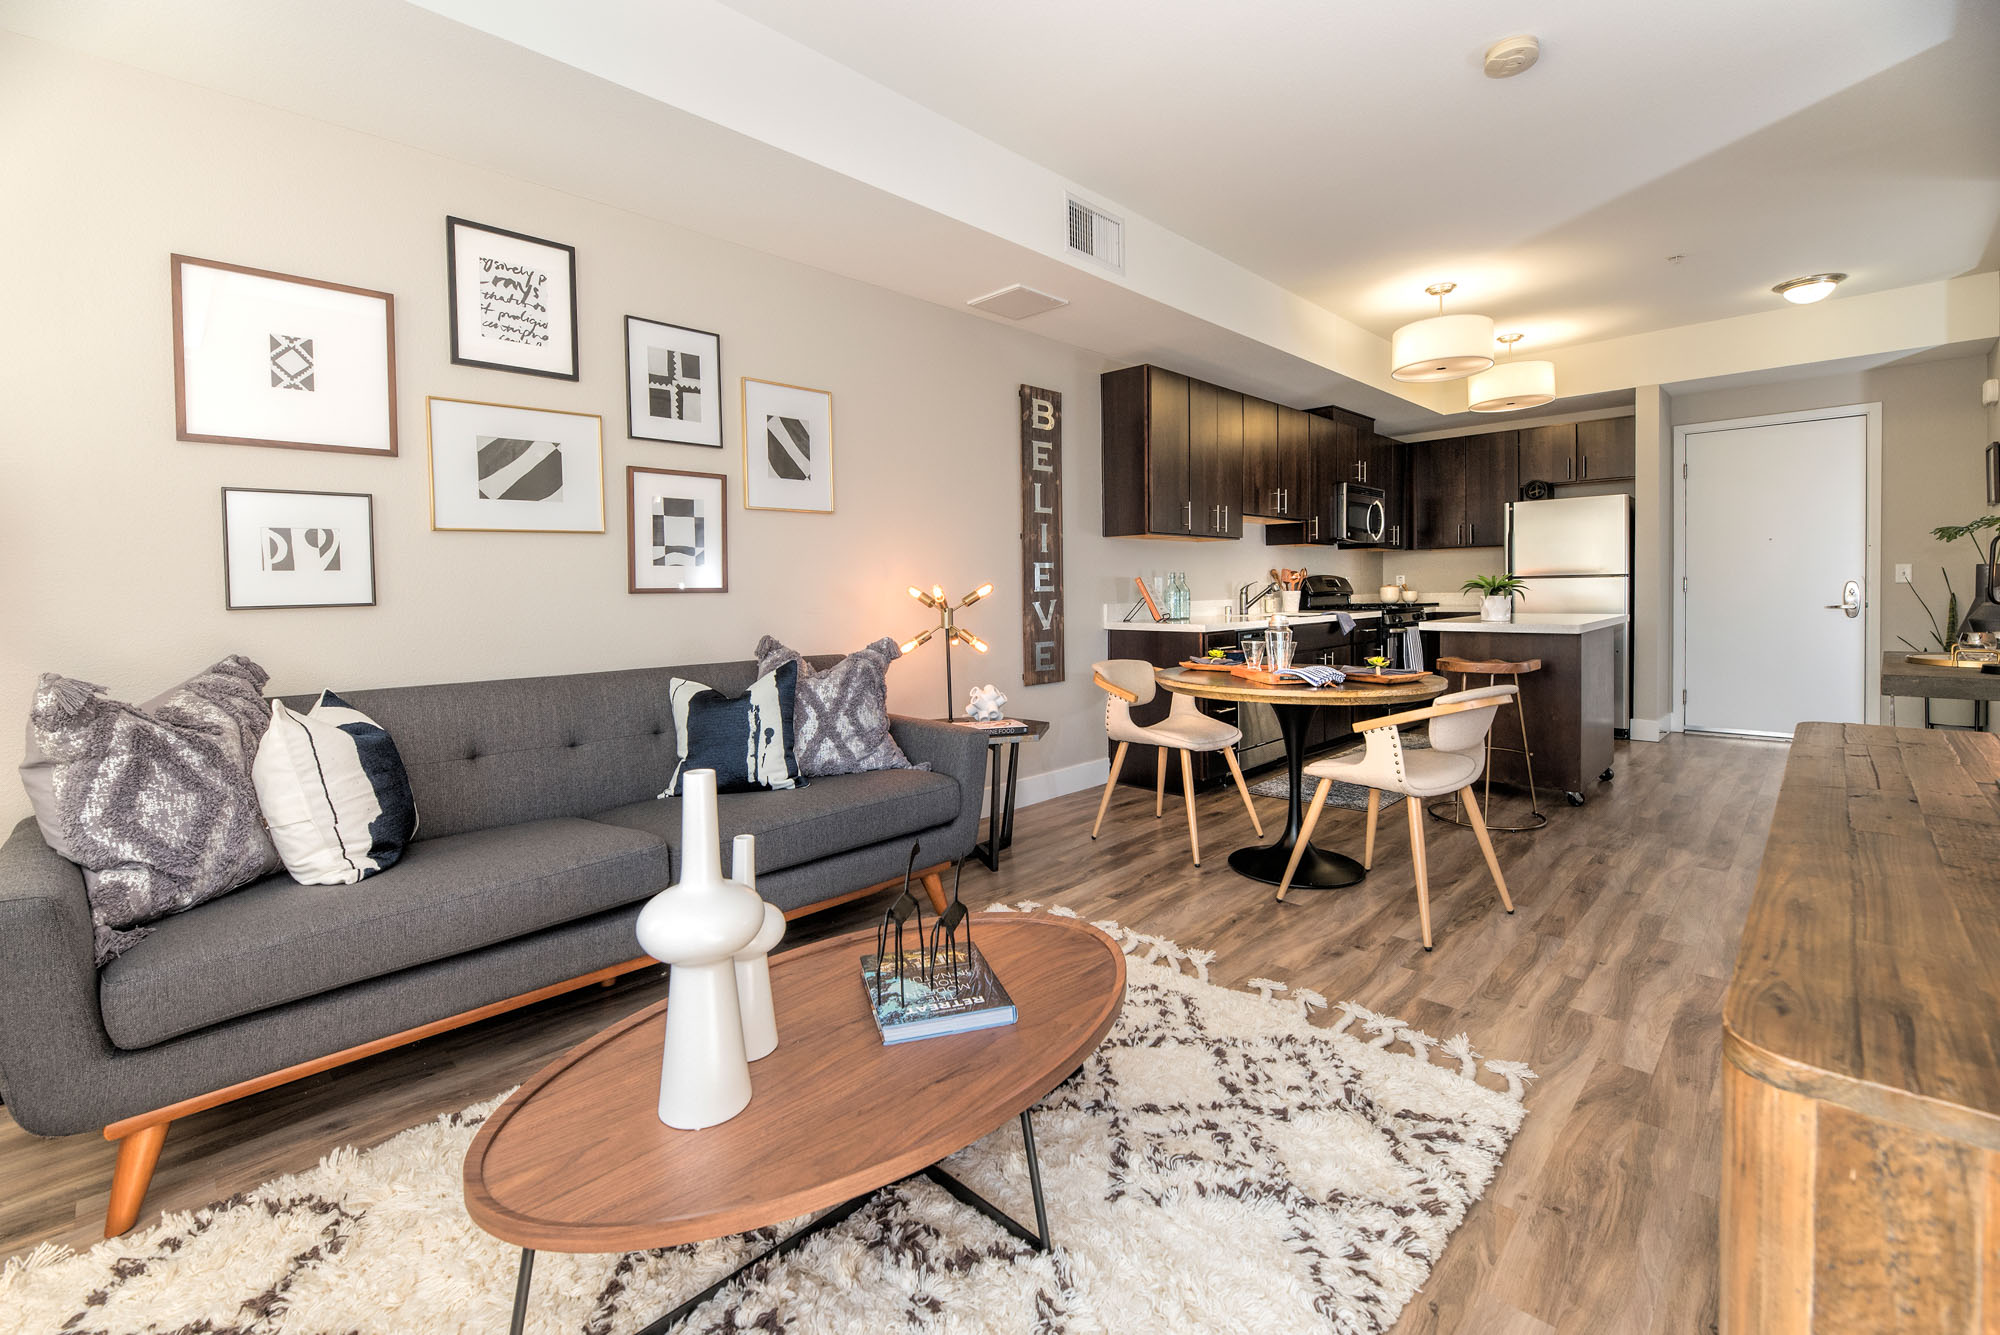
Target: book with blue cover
(950, 991)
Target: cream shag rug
(1222, 1163)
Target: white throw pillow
(334, 793)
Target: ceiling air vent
(1017, 302)
(1096, 235)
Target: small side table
(1000, 821)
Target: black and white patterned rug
(1228, 1161)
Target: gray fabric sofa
(540, 839)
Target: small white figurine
(753, 962)
(985, 703)
(698, 927)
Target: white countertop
(1144, 622)
(1531, 623)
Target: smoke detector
(1512, 55)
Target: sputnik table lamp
(953, 633)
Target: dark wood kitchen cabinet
(1215, 460)
(1548, 453)
(1607, 450)
(1459, 490)
(1388, 466)
(1158, 482)
(1274, 456)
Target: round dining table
(1319, 869)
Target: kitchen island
(1570, 704)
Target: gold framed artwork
(497, 468)
(787, 447)
(264, 358)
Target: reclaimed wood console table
(1861, 1043)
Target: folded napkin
(1345, 622)
(1312, 675)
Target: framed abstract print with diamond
(265, 358)
(501, 469)
(673, 383)
(512, 300)
(678, 533)
(787, 447)
(297, 548)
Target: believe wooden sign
(1041, 536)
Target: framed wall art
(265, 358)
(673, 383)
(501, 469)
(512, 300)
(297, 548)
(679, 536)
(787, 447)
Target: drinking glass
(1253, 651)
(1278, 649)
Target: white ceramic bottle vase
(697, 928)
(753, 962)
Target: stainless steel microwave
(1364, 516)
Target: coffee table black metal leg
(965, 1195)
(1035, 1180)
(521, 1281)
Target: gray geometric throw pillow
(154, 801)
(841, 713)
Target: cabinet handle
(1586, 466)
(1364, 470)
(1315, 528)
(1225, 519)
(1475, 532)
(1187, 516)
(1569, 469)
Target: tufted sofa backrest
(489, 753)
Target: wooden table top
(1211, 685)
(1869, 973)
(577, 1160)
(1939, 683)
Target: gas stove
(1335, 593)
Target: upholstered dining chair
(1129, 681)
(1457, 756)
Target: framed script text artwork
(673, 383)
(679, 536)
(265, 358)
(1042, 537)
(512, 300)
(297, 549)
(787, 447)
(501, 469)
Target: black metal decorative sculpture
(944, 933)
(899, 913)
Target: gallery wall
(110, 527)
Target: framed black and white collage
(678, 531)
(297, 548)
(512, 300)
(673, 383)
(496, 468)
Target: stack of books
(994, 727)
(928, 997)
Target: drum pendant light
(1444, 347)
(1511, 384)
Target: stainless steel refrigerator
(1575, 555)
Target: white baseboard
(1034, 788)
(1652, 729)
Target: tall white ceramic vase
(697, 927)
(753, 962)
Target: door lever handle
(1850, 600)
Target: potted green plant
(1496, 595)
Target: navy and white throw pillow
(334, 793)
(746, 739)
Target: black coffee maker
(1982, 613)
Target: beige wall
(1934, 433)
(110, 528)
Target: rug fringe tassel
(1383, 1031)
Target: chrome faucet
(1244, 597)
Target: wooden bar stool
(1496, 668)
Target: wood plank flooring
(1608, 981)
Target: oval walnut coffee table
(1319, 869)
(577, 1159)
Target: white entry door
(1775, 543)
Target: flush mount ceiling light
(1811, 288)
(1444, 347)
(1511, 384)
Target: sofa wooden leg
(934, 887)
(137, 1153)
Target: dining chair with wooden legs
(1129, 681)
(1456, 758)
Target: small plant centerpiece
(1983, 611)
(1378, 662)
(1496, 595)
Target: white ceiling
(1355, 152)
